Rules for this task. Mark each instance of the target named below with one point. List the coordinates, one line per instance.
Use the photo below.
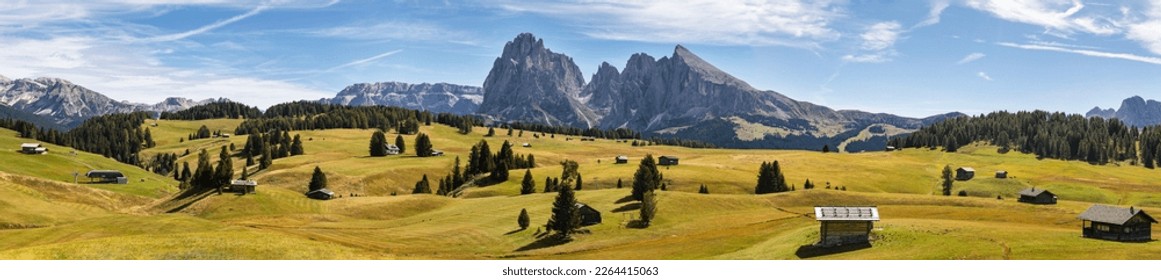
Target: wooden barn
(392, 149)
(588, 215)
(107, 176)
(1035, 196)
(1117, 224)
(526, 145)
(964, 173)
(321, 194)
(243, 186)
(667, 160)
(1001, 174)
(845, 225)
(622, 159)
(32, 148)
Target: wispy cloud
(207, 28)
(971, 57)
(1058, 17)
(933, 15)
(1093, 53)
(984, 76)
(395, 30)
(364, 61)
(795, 23)
(878, 43)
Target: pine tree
(500, 174)
(825, 148)
(647, 178)
(619, 184)
(947, 180)
(579, 182)
(457, 174)
(423, 146)
(648, 208)
(423, 186)
(703, 190)
(565, 217)
(267, 158)
(378, 144)
(203, 176)
(528, 185)
(296, 146)
(523, 220)
(318, 180)
(548, 185)
(185, 173)
(225, 169)
(399, 143)
(491, 132)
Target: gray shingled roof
(1035, 192)
(842, 213)
(968, 169)
(1112, 215)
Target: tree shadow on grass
(637, 224)
(515, 231)
(627, 207)
(810, 251)
(544, 242)
(627, 198)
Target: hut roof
(845, 213)
(968, 169)
(1034, 192)
(322, 190)
(1112, 215)
(30, 145)
(623, 157)
(244, 183)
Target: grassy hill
(730, 223)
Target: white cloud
(984, 76)
(1093, 53)
(971, 57)
(1147, 32)
(933, 15)
(796, 23)
(364, 61)
(394, 30)
(878, 43)
(1058, 17)
(207, 28)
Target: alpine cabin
(964, 173)
(622, 159)
(667, 160)
(106, 176)
(845, 225)
(33, 149)
(588, 215)
(1117, 224)
(243, 186)
(321, 194)
(1037, 196)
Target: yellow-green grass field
(278, 222)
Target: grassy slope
(729, 224)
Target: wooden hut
(107, 176)
(964, 173)
(1001, 174)
(1037, 196)
(845, 225)
(321, 194)
(622, 159)
(1117, 224)
(667, 160)
(32, 148)
(588, 215)
(243, 186)
(392, 149)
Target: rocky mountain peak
(5, 80)
(530, 82)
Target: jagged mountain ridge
(439, 97)
(1134, 111)
(67, 104)
(680, 95)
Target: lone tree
(565, 217)
(523, 220)
(619, 183)
(399, 143)
(825, 148)
(646, 179)
(648, 208)
(378, 144)
(947, 180)
(295, 146)
(423, 146)
(703, 189)
(318, 180)
(770, 179)
(422, 186)
(527, 186)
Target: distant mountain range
(439, 97)
(1134, 111)
(66, 105)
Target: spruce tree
(528, 185)
(523, 220)
(579, 182)
(225, 169)
(399, 143)
(565, 217)
(619, 184)
(548, 185)
(948, 180)
(318, 180)
(267, 158)
(378, 144)
(500, 174)
(423, 146)
(648, 208)
(647, 178)
(457, 174)
(296, 147)
(185, 173)
(422, 186)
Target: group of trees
(162, 164)
(1047, 135)
(423, 147)
(645, 181)
(214, 110)
(208, 175)
(379, 144)
(771, 179)
(306, 115)
(202, 133)
(270, 146)
(481, 160)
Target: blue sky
(912, 58)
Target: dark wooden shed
(1037, 196)
(667, 160)
(845, 225)
(107, 176)
(622, 159)
(588, 215)
(1117, 224)
(243, 186)
(321, 194)
(964, 173)
(1001, 174)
